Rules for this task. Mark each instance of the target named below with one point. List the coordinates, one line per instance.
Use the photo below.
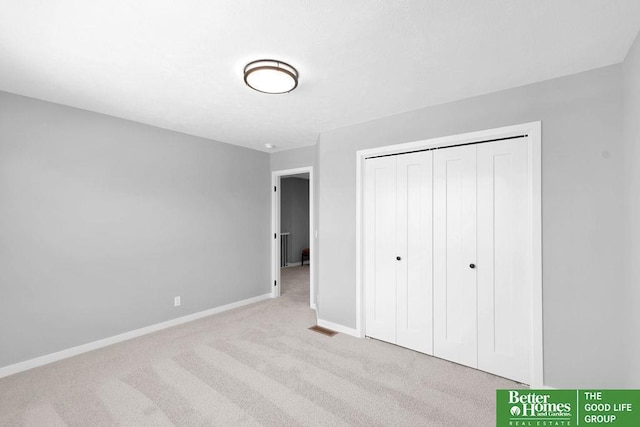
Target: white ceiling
(178, 64)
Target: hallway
(295, 283)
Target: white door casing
(275, 231)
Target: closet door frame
(533, 133)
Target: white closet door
(454, 250)
(503, 270)
(380, 248)
(414, 270)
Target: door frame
(275, 231)
(533, 130)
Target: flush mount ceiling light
(270, 76)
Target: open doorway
(292, 225)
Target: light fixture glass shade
(270, 76)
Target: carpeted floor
(256, 365)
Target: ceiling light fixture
(269, 146)
(270, 76)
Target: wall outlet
(176, 301)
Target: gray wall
(294, 215)
(632, 194)
(582, 212)
(291, 159)
(103, 221)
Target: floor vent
(323, 331)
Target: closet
(447, 264)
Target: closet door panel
(503, 268)
(380, 248)
(414, 270)
(454, 250)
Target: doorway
(292, 230)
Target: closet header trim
(449, 146)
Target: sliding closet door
(414, 269)
(504, 273)
(454, 255)
(380, 248)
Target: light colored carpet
(256, 365)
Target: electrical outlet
(176, 301)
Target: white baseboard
(74, 351)
(338, 328)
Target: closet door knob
(472, 266)
(398, 258)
